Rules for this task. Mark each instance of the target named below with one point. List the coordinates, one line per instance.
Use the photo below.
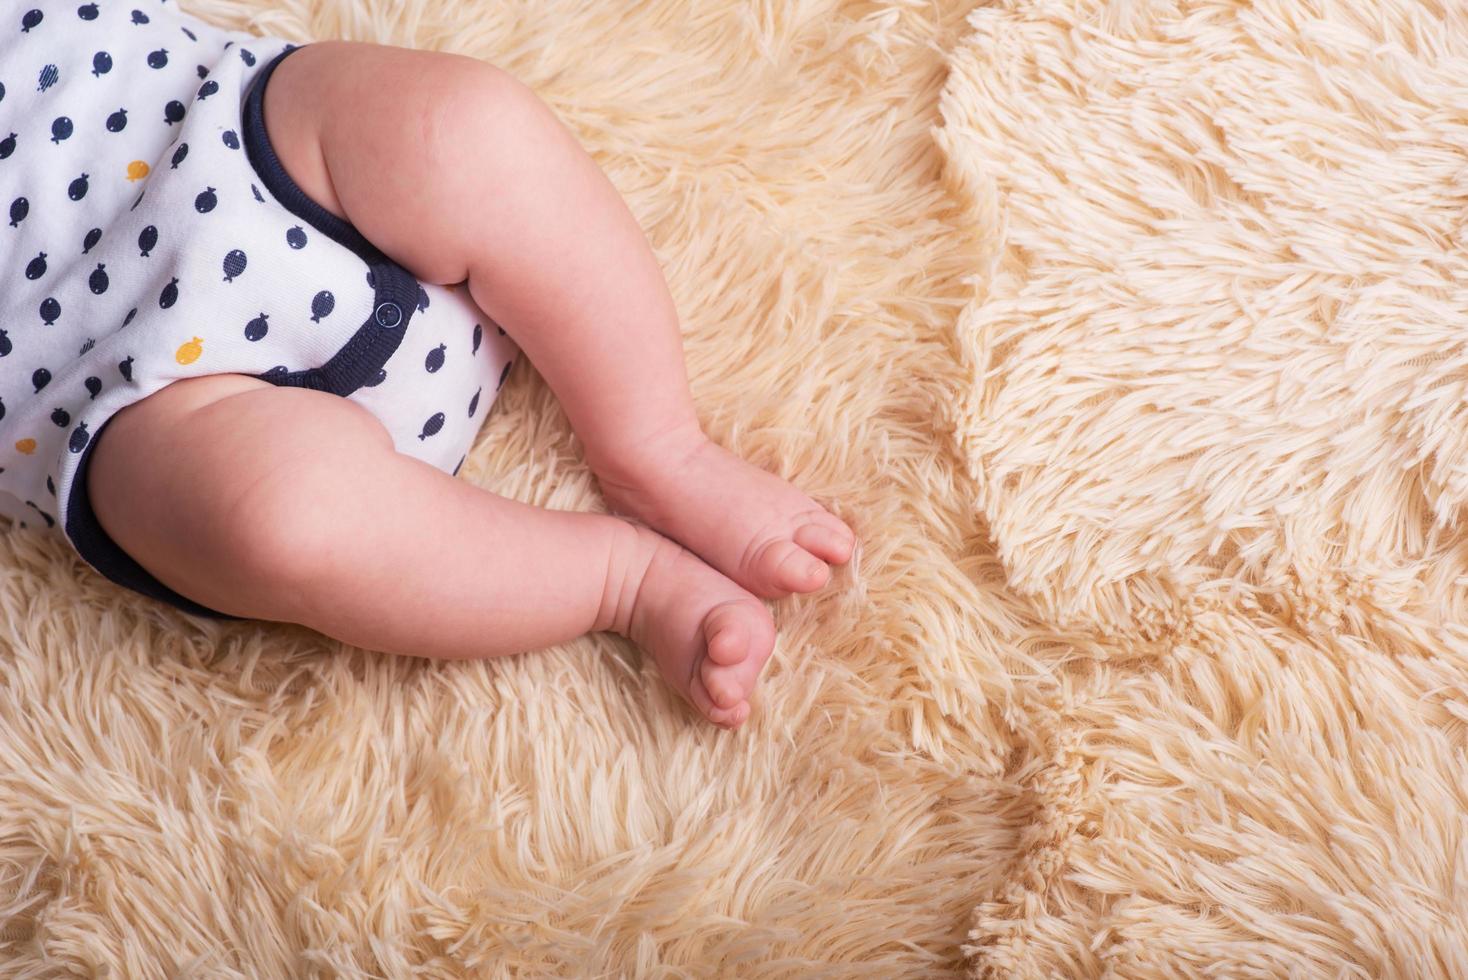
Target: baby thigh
(459, 172)
(288, 504)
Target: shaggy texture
(1218, 431)
(1136, 363)
(187, 798)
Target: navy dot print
(504, 374)
(2, 99)
(139, 17)
(175, 256)
(31, 19)
(322, 305)
(499, 328)
(50, 522)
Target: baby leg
(457, 171)
(290, 504)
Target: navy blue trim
(360, 358)
(357, 362)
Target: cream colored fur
(1139, 369)
(181, 797)
(1218, 430)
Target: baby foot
(709, 637)
(749, 524)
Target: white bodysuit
(149, 233)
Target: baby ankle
(629, 556)
(637, 460)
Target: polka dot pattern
(142, 241)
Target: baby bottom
(294, 505)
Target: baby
(257, 300)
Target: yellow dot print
(137, 170)
(189, 353)
(26, 446)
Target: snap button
(389, 315)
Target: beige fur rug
(1137, 368)
(1218, 431)
(184, 798)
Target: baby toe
(725, 637)
(761, 646)
(726, 717)
(721, 683)
(785, 566)
(739, 636)
(826, 542)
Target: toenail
(812, 568)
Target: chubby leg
(292, 505)
(464, 173)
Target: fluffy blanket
(184, 798)
(1218, 433)
(1128, 335)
